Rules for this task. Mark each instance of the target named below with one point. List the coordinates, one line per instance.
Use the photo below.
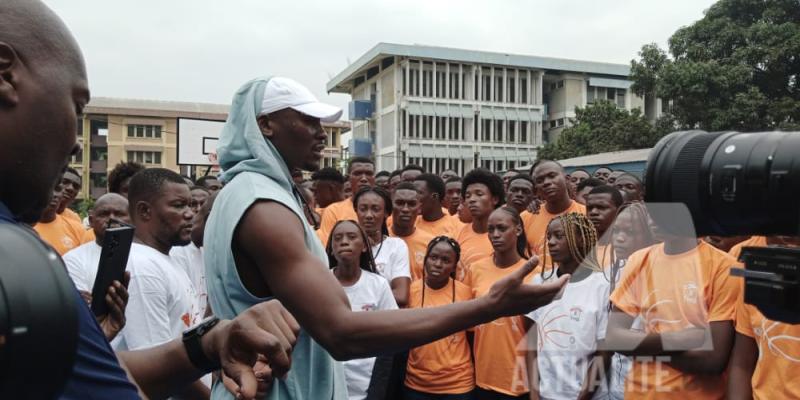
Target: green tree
(603, 127)
(736, 68)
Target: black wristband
(191, 342)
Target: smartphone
(113, 260)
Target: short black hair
(405, 186)
(616, 196)
(73, 171)
(328, 174)
(632, 176)
(189, 179)
(196, 187)
(434, 183)
(591, 182)
(453, 179)
(544, 161)
(363, 160)
(201, 181)
(394, 173)
(146, 185)
(121, 172)
(413, 167)
(486, 177)
(524, 177)
(382, 173)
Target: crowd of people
(402, 284)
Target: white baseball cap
(282, 93)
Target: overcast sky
(203, 50)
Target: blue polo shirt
(96, 373)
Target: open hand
(511, 296)
(117, 300)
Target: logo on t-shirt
(690, 293)
(380, 266)
(575, 314)
(419, 256)
(369, 307)
(67, 242)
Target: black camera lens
(733, 183)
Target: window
(498, 88)
(523, 90)
(590, 93)
(621, 98)
(486, 130)
(512, 131)
(144, 131)
(523, 132)
(512, 90)
(560, 84)
(145, 157)
(498, 131)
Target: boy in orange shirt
(433, 218)
(483, 193)
(63, 233)
(551, 183)
(444, 367)
(361, 171)
(765, 352)
(682, 292)
(405, 210)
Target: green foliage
(603, 127)
(84, 206)
(736, 68)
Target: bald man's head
(108, 208)
(43, 88)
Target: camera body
(737, 183)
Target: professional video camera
(737, 183)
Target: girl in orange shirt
(500, 371)
(441, 370)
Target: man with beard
(551, 182)
(162, 300)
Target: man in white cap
(260, 246)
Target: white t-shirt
(370, 293)
(161, 302)
(391, 259)
(190, 259)
(567, 333)
(82, 263)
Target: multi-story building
(114, 130)
(460, 109)
(333, 148)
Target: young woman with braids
(441, 370)
(566, 363)
(373, 205)
(351, 261)
(500, 371)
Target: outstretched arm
(269, 232)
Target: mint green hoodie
(254, 170)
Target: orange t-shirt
(444, 366)
(536, 225)
(335, 212)
(417, 244)
(778, 353)
(669, 293)
(754, 241)
(499, 345)
(72, 215)
(474, 246)
(447, 226)
(62, 233)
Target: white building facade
(458, 109)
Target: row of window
(145, 157)
(329, 162)
(454, 128)
(557, 123)
(503, 131)
(144, 131)
(439, 165)
(500, 85)
(500, 165)
(614, 95)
